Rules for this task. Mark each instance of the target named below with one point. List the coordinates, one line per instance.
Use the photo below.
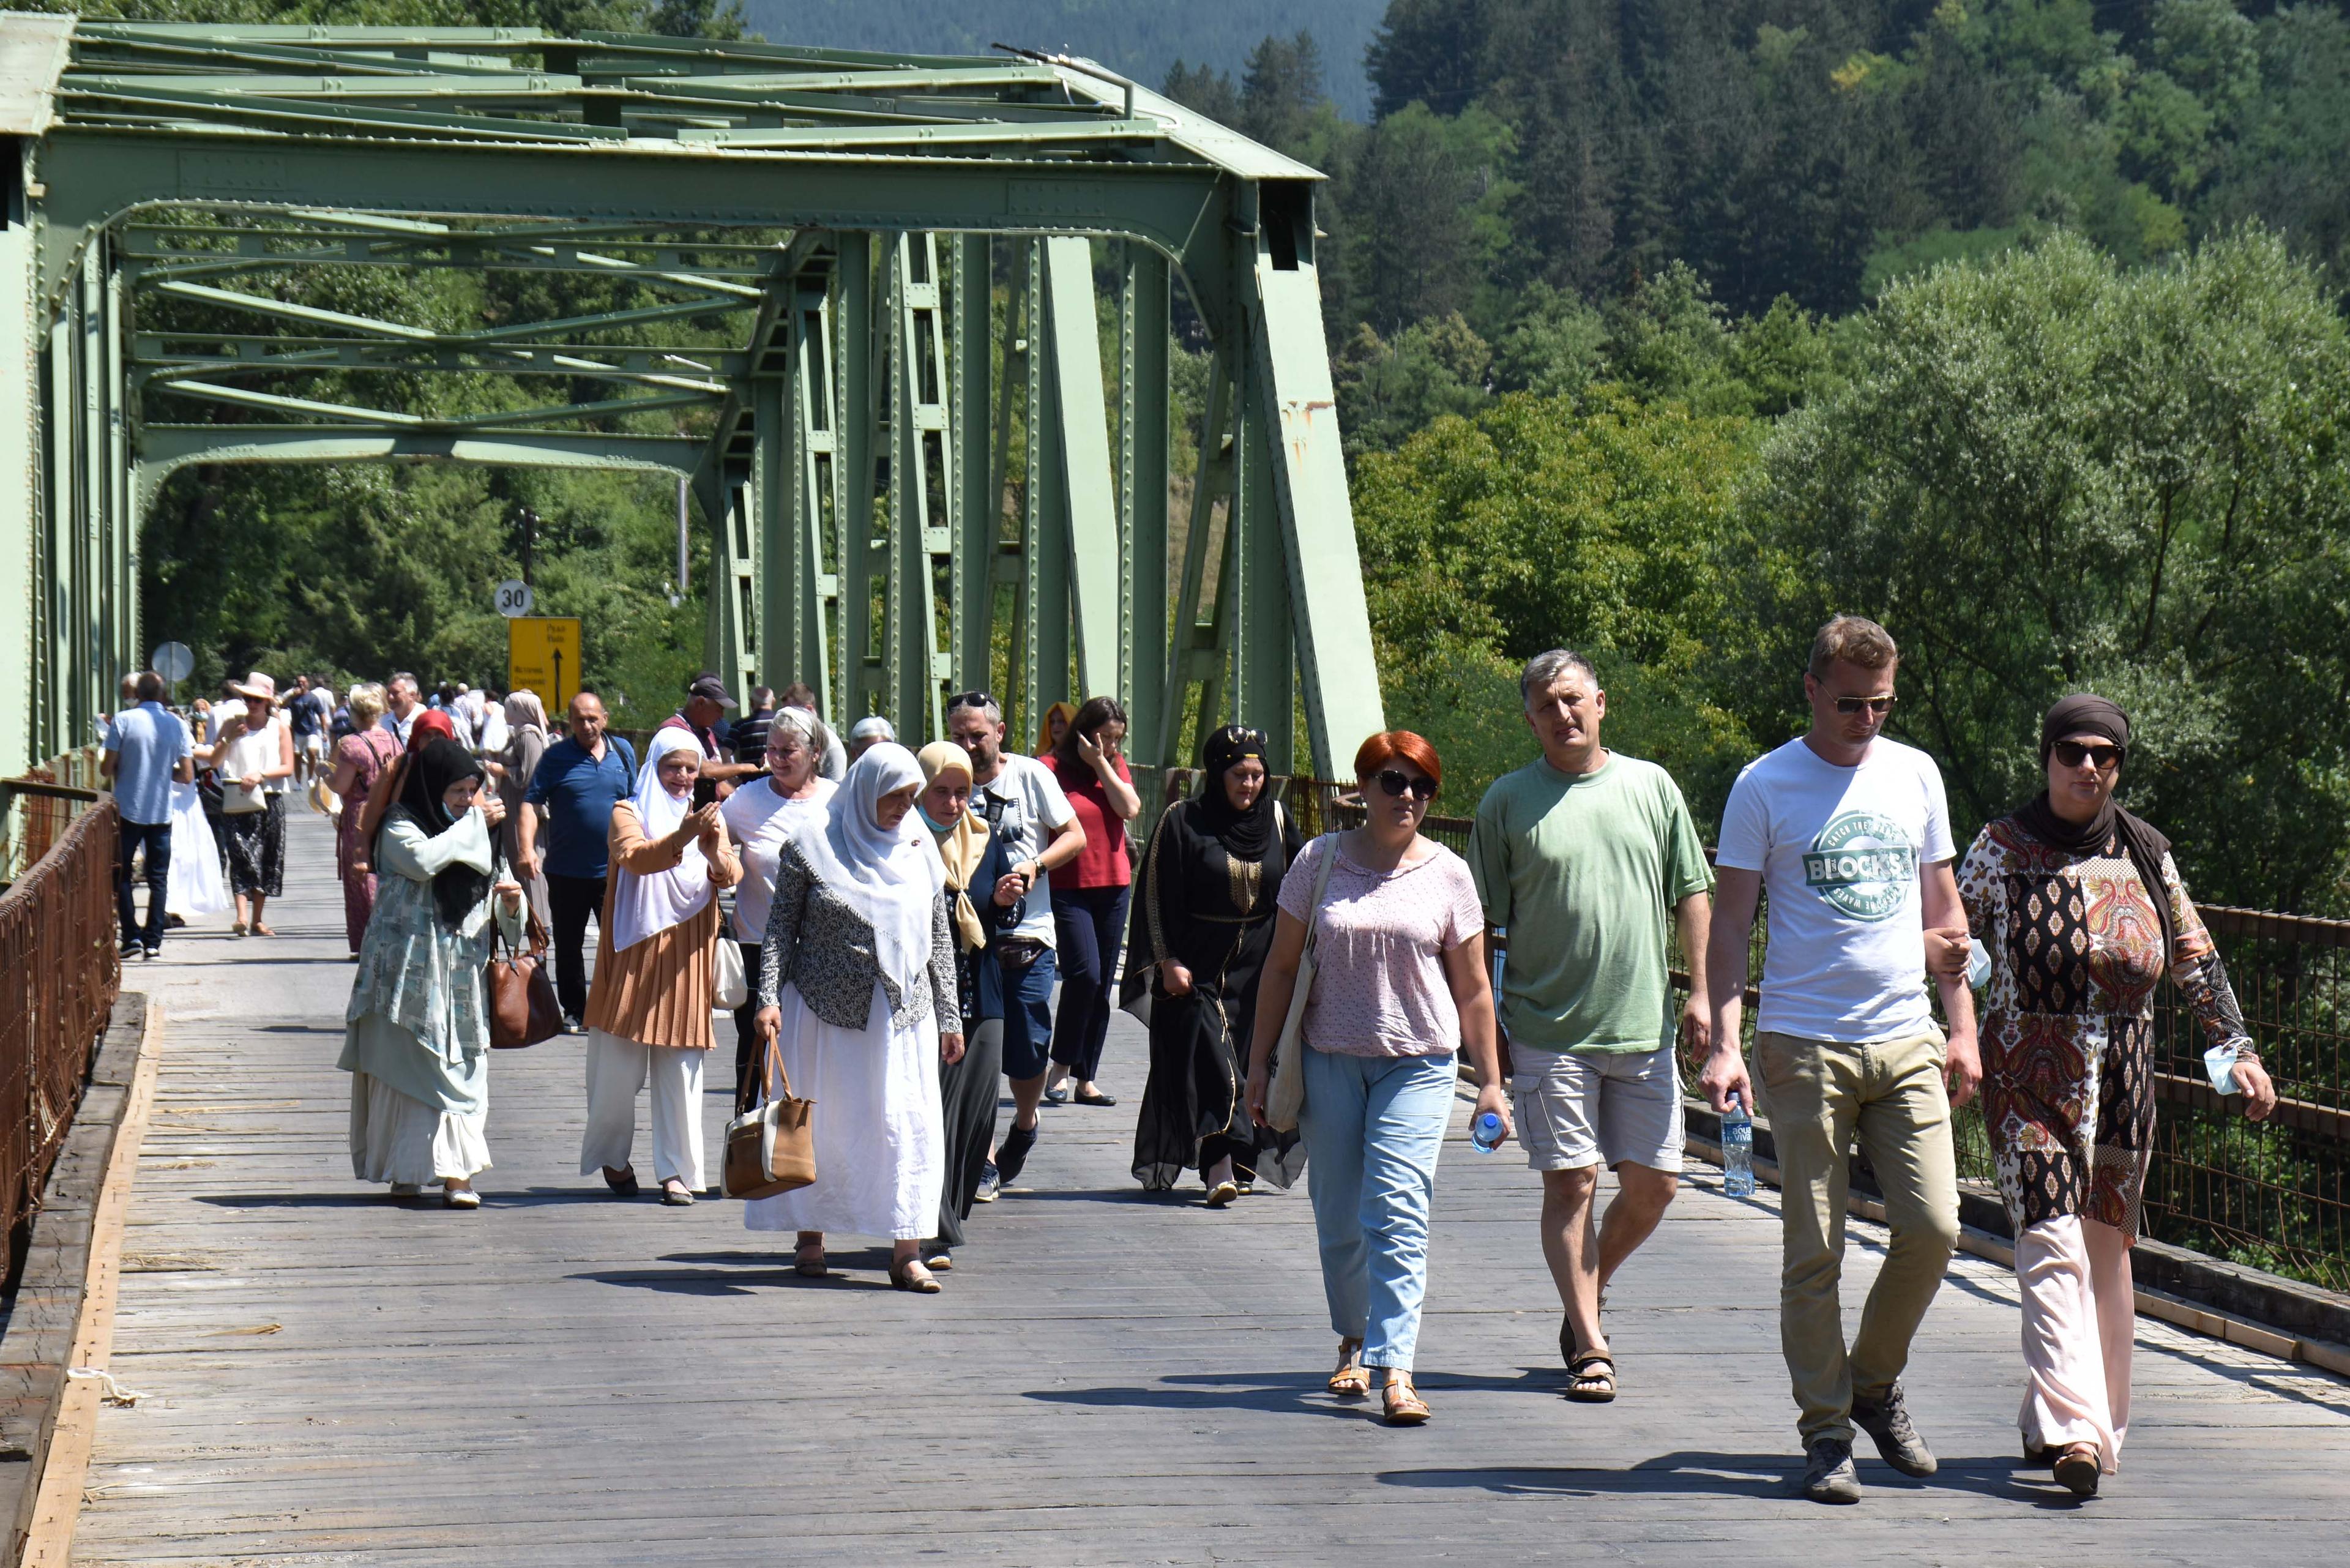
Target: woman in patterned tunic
(1200, 926)
(2080, 909)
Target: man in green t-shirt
(1584, 858)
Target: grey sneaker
(989, 1183)
(1829, 1477)
(1886, 1420)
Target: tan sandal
(808, 1262)
(1352, 1379)
(1405, 1407)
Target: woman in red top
(1089, 894)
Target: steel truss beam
(917, 472)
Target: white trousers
(2080, 1321)
(617, 1069)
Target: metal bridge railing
(2272, 1195)
(59, 976)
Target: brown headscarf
(2085, 713)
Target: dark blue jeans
(155, 837)
(1089, 923)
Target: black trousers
(749, 1067)
(1089, 924)
(155, 837)
(572, 900)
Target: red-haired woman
(1399, 987)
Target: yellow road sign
(543, 656)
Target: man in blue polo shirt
(147, 748)
(579, 780)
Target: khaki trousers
(1819, 1094)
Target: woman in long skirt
(254, 760)
(1202, 922)
(416, 1040)
(857, 992)
(987, 900)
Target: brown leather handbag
(522, 1005)
(771, 1149)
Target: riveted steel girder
(864, 298)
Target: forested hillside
(1142, 38)
(1643, 346)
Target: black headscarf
(458, 890)
(2085, 713)
(1245, 834)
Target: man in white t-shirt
(1025, 806)
(1850, 834)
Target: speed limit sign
(513, 598)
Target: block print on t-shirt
(1864, 863)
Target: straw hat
(260, 687)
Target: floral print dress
(2067, 1028)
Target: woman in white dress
(417, 1039)
(761, 816)
(858, 998)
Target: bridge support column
(1142, 441)
(22, 515)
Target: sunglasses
(970, 700)
(1395, 781)
(2072, 753)
(1881, 706)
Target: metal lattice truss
(862, 308)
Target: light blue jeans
(1373, 1126)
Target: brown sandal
(808, 1262)
(2076, 1469)
(1588, 1385)
(1405, 1407)
(1352, 1379)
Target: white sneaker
(462, 1198)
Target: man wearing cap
(706, 702)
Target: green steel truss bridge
(837, 223)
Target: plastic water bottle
(1737, 1150)
(1485, 1132)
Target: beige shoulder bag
(1285, 1099)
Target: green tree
(1589, 521)
(2050, 473)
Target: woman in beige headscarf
(526, 743)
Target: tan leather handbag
(771, 1149)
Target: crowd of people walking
(888, 928)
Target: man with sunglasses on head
(1587, 858)
(1027, 811)
(1850, 834)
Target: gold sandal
(1352, 1379)
(1405, 1407)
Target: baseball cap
(711, 686)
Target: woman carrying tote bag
(1401, 987)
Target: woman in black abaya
(1201, 925)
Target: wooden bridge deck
(1107, 1378)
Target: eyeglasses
(2072, 753)
(974, 699)
(1881, 706)
(1395, 781)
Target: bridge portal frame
(840, 456)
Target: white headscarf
(642, 906)
(890, 878)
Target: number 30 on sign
(514, 597)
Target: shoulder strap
(1321, 886)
